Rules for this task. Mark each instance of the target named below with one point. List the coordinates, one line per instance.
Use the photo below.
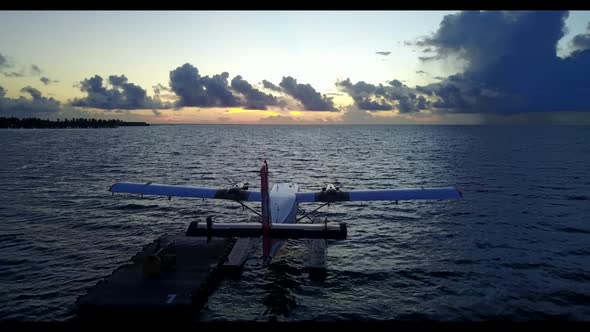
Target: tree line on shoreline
(65, 123)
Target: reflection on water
(280, 283)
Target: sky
(297, 67)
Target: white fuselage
(283, 208)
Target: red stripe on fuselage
(265, 199)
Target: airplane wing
(334, 195)
(235, 194)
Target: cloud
(167, 96)
(254, 98)
(353, 115)
(47, 80)
(270, 86)
(37, 105)
(117, 81)
(395, 95)
(582, 41)
(511, 64)
(122, 95)
(3, 62)
(371, 105)
(384, 53)
(158, 88)
(424, 90)
(36, 94)
(421, 72)
(307, 95)
(196, 90)
(161, 92)
(15, 74)
(156, 112)
(35, 70)
(192, 89)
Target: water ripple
(515, 247)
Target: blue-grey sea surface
(517, 246)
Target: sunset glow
(366, 67)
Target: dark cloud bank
(120, 95)
(307, 95)
(511, 67)
(204, 91)
(192, 89)
(394, 95)
(37, 105)
(189, 88)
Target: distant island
(73, 123)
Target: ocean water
(517, 246)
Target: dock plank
(238, 255)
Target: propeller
(235, 184)
(337, 185)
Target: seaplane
(279, 220)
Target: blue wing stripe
(184, 191)
(305, 197)
(379, 195)
(254, 196)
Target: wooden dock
(171, 278)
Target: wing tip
(114, 186)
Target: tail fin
(265, 199)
